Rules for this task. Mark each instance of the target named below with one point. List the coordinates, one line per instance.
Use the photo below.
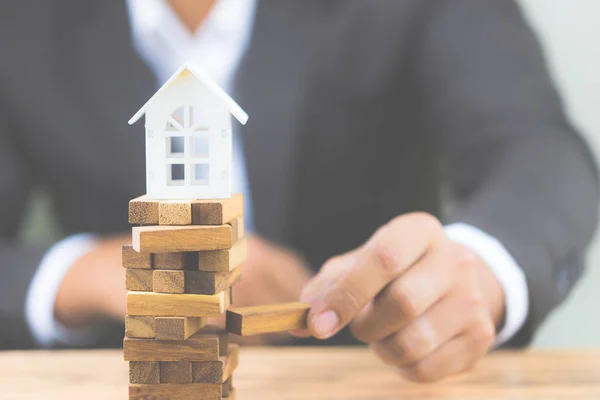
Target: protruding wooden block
(223, 260)
(178, 328)
(133, 259)
(176, 261)
(142, 327)
(216, 371)
(175, 212)
(177, 305)
(200, 282)
(175, 372)
(238, 227)
(143, 211)
(169, 239)
(138, 279)
(166, 391)
(146, 372)
(217, 212)
(166, 281)
(206, 345)
(246, 321)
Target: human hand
(94, 287)
(426, 305)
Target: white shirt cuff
(505, 268)
(42, 292)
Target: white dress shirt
(164, 43)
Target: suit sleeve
(17, 264)
(513, 164)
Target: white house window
(187, 148)
(201, 175)
(175, 175)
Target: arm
(17, 265)
(515, 166)
(524, 184)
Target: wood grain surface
(217, 212)
(137, 326)
(143, 211)
(223, 260)
(312, 373)
(177, 305)
(206, 345)
(195, 391)
(178, 328)
(168, 239)
(247, 321)
(133, 259)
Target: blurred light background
(570, 34)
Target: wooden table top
(311, 373)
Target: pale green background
(570, 34)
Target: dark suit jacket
(359, 111)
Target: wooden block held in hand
(142, 327)
(216, 371)
(177, 305)
(174, 212)
(205, 345)
(200, 282)
(133, 259)
(246, 321)
(143, 211)
(217, 212)
(223, 260)
(178, 328)
(146, 372)
(176, 372)
(138, 279)
(165, 281)
(169, 239)
(175, 261)
(166, 391)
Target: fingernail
(325, 324)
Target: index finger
(388, 253)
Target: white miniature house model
(189, 138)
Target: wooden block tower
(181, 268)
(187, 247)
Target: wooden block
(133, 259)
(146, 372)
(223, 260)
(206, 345)
(138, 279)
(174, 212)
(175, 261)
(176, 372)
(177, 305)
(246, 321)
(199, 282)
(166, 391)
(168, 239)
(217, 212)
(165, 281)
(143, 211)
(238, 228)
(140, 327)
(178, 328)
(216, 371)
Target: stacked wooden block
(181, 266)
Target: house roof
(219, 93)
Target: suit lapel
(270, 85)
